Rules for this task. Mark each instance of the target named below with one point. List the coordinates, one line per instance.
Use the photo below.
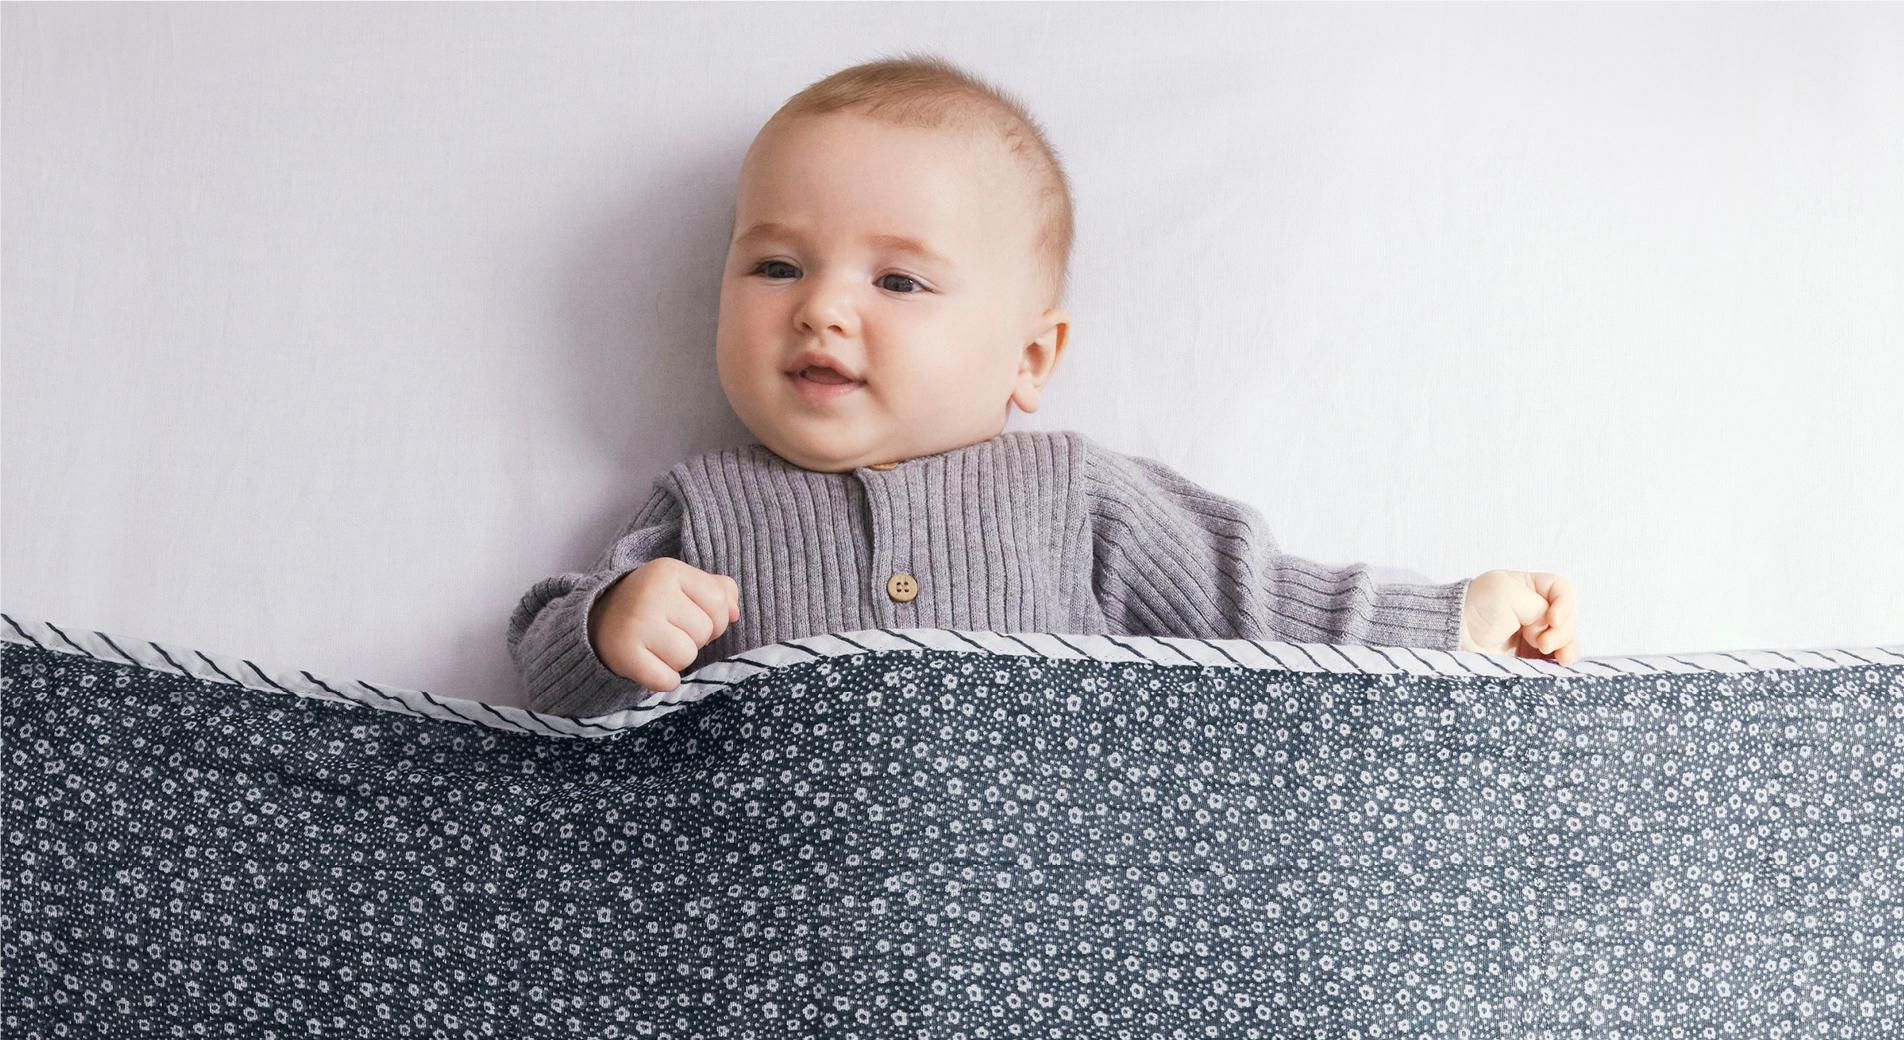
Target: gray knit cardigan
(1039, 531)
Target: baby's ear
(1040, 358)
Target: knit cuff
(1409, 614)
(573, 681)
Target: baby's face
(937, 338)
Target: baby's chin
(825, 451)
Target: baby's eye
(904, 278)
(914, 286)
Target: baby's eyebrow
(900, 243)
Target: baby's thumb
(1530, 610)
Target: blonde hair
(924, 90)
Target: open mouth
(820, 385)
(818, 374)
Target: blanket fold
(935, 833)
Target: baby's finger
(673, 645)
(1560, 596)
(691, 618)
(710, 597)
(730, 599)
(652, 672)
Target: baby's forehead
(993, 198)
(975, 151)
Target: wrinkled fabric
(960, 843)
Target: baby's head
(936, 340)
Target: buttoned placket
(896, 587)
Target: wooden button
(902, 587)
(882, 465)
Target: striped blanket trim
(1166, 651)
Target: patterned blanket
(960, 834)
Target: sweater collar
(986, 446)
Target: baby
(904, 233)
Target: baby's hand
(654, 620)
(1523, 613)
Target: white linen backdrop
(329, 329)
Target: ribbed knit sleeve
(548, 632)
(1173, 559)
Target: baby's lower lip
(820, 393)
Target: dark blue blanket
(938, 834)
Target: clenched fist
(653, 621)
(1521, 614)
